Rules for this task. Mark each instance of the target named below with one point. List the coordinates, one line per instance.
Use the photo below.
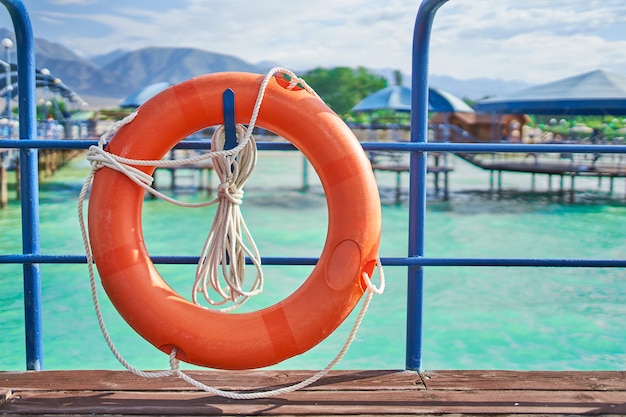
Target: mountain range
(106, 79)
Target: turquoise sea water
(474, 317)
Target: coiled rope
(224, 248)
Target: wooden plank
(227, 380)
(4, 193)
(5, 394)
(405, 168)
(340, 393)
(522, 380)
(392, 168)
(558, 168)
(317, 403)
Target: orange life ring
(244, 340)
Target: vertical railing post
(29, 181)
(417, 187)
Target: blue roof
(440, 101)
(398, 98)
(142, 95)
(597, 92)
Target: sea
(474, 317)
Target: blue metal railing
(29, 184)
(417, 180)
(415, 260)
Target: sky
(535, 41)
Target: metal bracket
(228, 105)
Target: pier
(398, 162)
(437, 167)
(563, 166)
(49, 161)
(189, 178)
(356, 393)
(199, 177)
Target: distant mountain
(115, 75)
(105, 59)
(78, 73)
(476, 88)
(119, 73)
(173, 65)
(265, 66)
(470, 89)
(85, 78)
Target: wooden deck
(434, 170)
(534, 164)
(362, 393)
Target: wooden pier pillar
(549, 182)
(154, 185)
(206, 180)
(173, 179)
(398, 187)
(18, 180)
(4, 197)
(48, 156)
(436, 157)
(305, 174)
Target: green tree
(342, 87)
(54, 107)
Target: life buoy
(245, 340)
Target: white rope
(94, 293)
(224, 246)
(371, 290)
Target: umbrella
(142, 95)
(597, 92)
(398, 98)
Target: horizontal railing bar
(512, 262)
(85, 144)
(492, 147)
(387, 261)
(46, 143)
(374, 146)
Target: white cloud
(536, 41)
(71, 2)
(533, 40)
(317, 33)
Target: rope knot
(93, 156)
(99, 158)
(227, 190)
